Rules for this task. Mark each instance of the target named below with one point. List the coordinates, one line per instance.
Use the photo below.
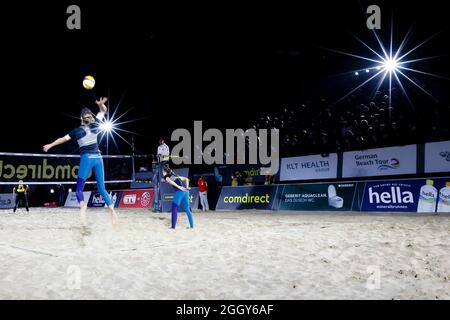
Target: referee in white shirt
(162, 155)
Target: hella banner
(310, 197)
(255, 197)
(6, 201)
(380, 162)
(437, 157)
(72, 201)
(309, 168)
(415, 195)
(137, 199)
(96, 200)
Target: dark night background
(222, 62)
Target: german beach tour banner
(380, 162)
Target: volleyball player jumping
(91, 159)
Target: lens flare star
(390, 64)
(112, 127)
(107, 126)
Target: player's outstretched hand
(102, 101)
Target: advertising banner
(96, 200)
(167, 192)
(414, 195)
(380, 162)
(6, 201)
(309, 167)
(214, 175)
(56, 168)
(221, 174)
(141, 199)
(137, 199)
(320, 196)
(255, 197)
(71, 200)
(437, 157)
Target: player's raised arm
(102, 107)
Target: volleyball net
(44, 169)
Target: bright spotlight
(391, 65)
(367, 70)
(52, 190)
(70, 190)
(106, 126)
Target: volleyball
(88, 82)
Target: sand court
(229, 255)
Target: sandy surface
(244, 255)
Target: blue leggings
(181, 197)
(88, 162)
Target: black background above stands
(224, 63)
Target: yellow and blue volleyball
(88, 82)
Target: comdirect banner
(437, 157)
(380, 162)
(6, 201)
(414, 195)
(221, 174)
(96, 200)
(142, 198)
(72, 201)
(309, 167)
(255, 197)
(311, 197)
(42, 168)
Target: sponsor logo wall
(413, 195)
(96, 200)
(256, 197)
(221, 174)
(309, 168)
(136, 199)
(133, 198)
(32, 168)
(380, 162)
(327, 197)
(71, 200)
(437, 157)
(6, 201)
